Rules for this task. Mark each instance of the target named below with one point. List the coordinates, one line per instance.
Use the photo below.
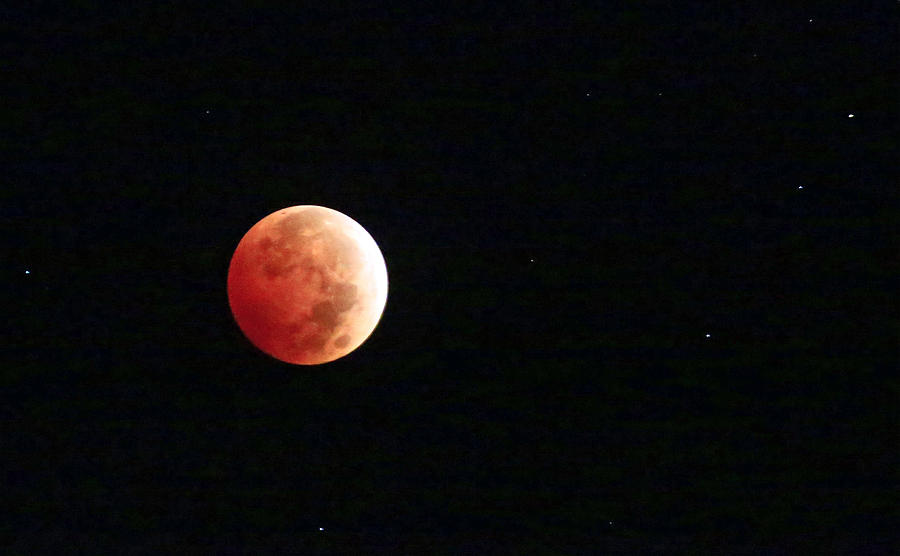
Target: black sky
(639, 259)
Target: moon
(307, 285)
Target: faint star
(587, 95)
(810, 21)
(207, 111)
(532, 260)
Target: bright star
(849, 115)
(707, 335)
(27, 272)
(321, 528)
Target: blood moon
(307, 285)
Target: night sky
(639, 255)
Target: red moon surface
(307, 285)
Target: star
(27, 272)
(587, 95)
(707, 335)
(799, 187)
(321, 528)
(849, 115)
(531, 260)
